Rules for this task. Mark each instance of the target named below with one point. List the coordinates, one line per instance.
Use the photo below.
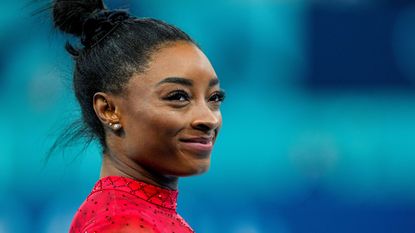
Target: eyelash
(176, 95)
(172, 96)
(220, 96)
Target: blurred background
(319, 120)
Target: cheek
(150, 133)
(167, 124)
(220, 119)
(157, 125)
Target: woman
(151, 98)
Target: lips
(199, 145)
(202, 140)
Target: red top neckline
(153, 194)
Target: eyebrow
(185, 81)
(178, 80)
(213, 82)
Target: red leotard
(122, 205)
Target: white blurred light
(59, 223)
(45, 89)
(315, 154)
(3, 227)
(245, 228)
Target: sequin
(120, 204)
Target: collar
(150, 193)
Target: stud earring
(115, 126)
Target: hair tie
(100, 24)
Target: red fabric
(123, 205)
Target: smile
(198, 145)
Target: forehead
(178, 59)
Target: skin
(178, 97)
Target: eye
(178, 95)
(217, 97)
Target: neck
(115, 166)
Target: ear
(105, 108)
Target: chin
(203, 169)
(197, 169)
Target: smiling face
(170, 114)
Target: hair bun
(70, 15)
(99, 25)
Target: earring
(115, 126)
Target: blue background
(319, 120)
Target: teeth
(202, 142)
(198, 141)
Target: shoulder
(121, 223)
(113, 211)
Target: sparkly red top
(122, 205)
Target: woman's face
(171, 113)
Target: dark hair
(115, 46)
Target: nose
(206, 119)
